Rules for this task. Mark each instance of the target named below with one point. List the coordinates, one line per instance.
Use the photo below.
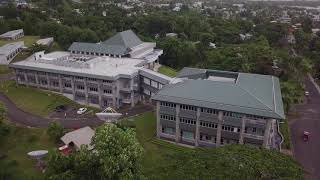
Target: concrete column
(73, 88)
(159, 128)
(267, 133)
(60, 84)
(197, 128)
(242, 130)
(48, 81)
(100, 93)
(37, 79)
(86, 91)
(26, 79)
(132, 92)
(220, 119)
(178, 134)
(114, 95)
(118, 93)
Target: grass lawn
(4, 69)
(285, 131)
(167, 71)
(34, 100)
(16, 146)
(156, 151)
(28, 40)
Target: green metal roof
(250, 94)
(119, 44)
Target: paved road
(308, 153)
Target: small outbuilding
(12, 35)
(82, 136)
(46, 41)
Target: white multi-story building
(9, 51)
(12, 35)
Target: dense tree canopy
(231, 162)
(116, 155)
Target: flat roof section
(8, 48)
(77, 65)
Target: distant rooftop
(11, 33)
(119, 44)
(65, 62)
(6, 49)
(230, 91)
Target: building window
(80, 87)
(146, 80)
(187, 121)
(208, 124)
(160, 86)
(188, 107)
(167, 104)
(94, 89)
(254, 130)
(67, 85)
(170, 131)
(107, 81)
(209, 111)
(154, 84)
(107, 91)
(167, 117)
(92, 79)
(187, 134)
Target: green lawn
(34, 100)
(28, 40)
(4, 69)
(167, 71)
(16, 146)
(285, 131)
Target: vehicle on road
(306, 136)
(306, 93)
(81, 110)
(60, 108)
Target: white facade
(12, 35)
(9, 51)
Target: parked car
(81, 110)
(60, 108)
(306, 93)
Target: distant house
(79, 137)
(171, 35)
(45, 41)
(12, 35)
(176, 9)
(245, 36)
(9, 51)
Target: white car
(306, 93)
(81, 110)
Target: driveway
(17, 115)
(308, 153)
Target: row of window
(168, 117)
(188, 107)
(187, 121)
(107, 91)
(167, 104)
(208, 124)
(152, 83)
(213, 111)
(209, 111)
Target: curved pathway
(17, 115)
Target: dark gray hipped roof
(127, 39)
(119, 44)
(250, 93)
